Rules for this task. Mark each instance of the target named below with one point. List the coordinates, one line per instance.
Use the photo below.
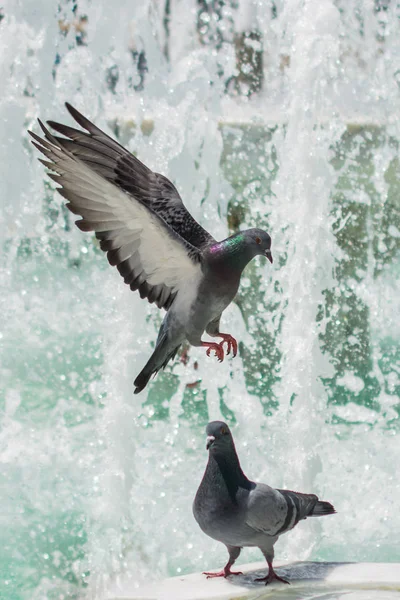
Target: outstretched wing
(276, 511)
(113, 162)
(151, 257)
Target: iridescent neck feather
(234, 252)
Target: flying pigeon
(238, 512)
(149, 235)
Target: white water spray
(99, 483)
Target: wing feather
(150, 256)
(267, 510)
(112, 161)
(276, 511)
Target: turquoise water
(97, 484)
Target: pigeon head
(218, 436)
(234, 253)
(223, 457)
(259, 241)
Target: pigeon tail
(322, 508)
(142, 380)
(158, 360)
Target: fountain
(277, 114)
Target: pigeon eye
(258, 240)
(223, 431)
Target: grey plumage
(238, 512)
(149, 235)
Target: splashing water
(301, 139)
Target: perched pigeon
(238, 512)
(150, 237)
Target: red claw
(219, 351)
(224, 573)
(272, 576)
(230, 341)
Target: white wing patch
(155, 254)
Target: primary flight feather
(149, 235)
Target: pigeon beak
(210, 440)
(269, 256)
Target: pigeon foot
(219, 351)
(224, 573)
(231, 343)
(272, 576)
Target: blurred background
(282, 114)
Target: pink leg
(272, 576)
(226, 571)
(231, 342)
(219, 351)
(185, 355)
